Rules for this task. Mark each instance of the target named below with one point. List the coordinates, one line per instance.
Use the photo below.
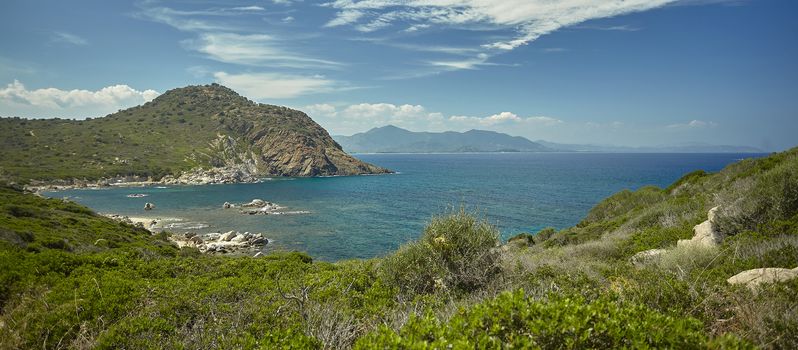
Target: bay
(368, 216)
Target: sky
(622, 72)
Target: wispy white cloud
(186, 21)
(249, 8)
(417, 27)
(253, 50)
(52, 102)
(69, 38)
(469, 63)
(261, 86)
(237, 42)
(505, 118)
(344, 18)
(530, 19)
(617, 28)
(693, 124)
(524, 21)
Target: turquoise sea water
(368, 216)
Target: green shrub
(523, 239)
(513, 320)
(689, 178)
(623, 202)
(544, 234)
(456, 252)
(751, 202)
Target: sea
(349, 217)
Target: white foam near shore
(151, 223)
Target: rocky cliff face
(265, 140)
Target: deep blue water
(367, 216)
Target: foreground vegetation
(72, 279)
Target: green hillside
(71, 279)
(196, 126)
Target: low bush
(513, 320)
(751, 202)
(544, 234)
(456, 253)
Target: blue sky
(634, 72)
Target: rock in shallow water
(229, 242)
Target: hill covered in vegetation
(184, 129)
(72, 279)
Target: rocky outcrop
(191, 135)
(239, 173)
(221, 243)
(257, 203)
(647, 255)
(149, 206)
(756, 277)
(706, 235)
(261, 207)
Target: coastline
(194, 177)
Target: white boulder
(753, 278)
(706, 235)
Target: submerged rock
(256, 203)
(149, 206)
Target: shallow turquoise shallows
(368, 216)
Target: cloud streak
(530, 19)
(693, 124)
(252, 50)
(68, 38)
(260, 86)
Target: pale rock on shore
(240, 173)
(221, 243)
(145, 223)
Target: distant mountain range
(678, 148)
(392, 139)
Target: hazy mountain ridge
(184, 129)
(392, 139)
(693, 147)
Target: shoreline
(233, 242)
(149, 223)
(103, 184)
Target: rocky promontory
(191, 135)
